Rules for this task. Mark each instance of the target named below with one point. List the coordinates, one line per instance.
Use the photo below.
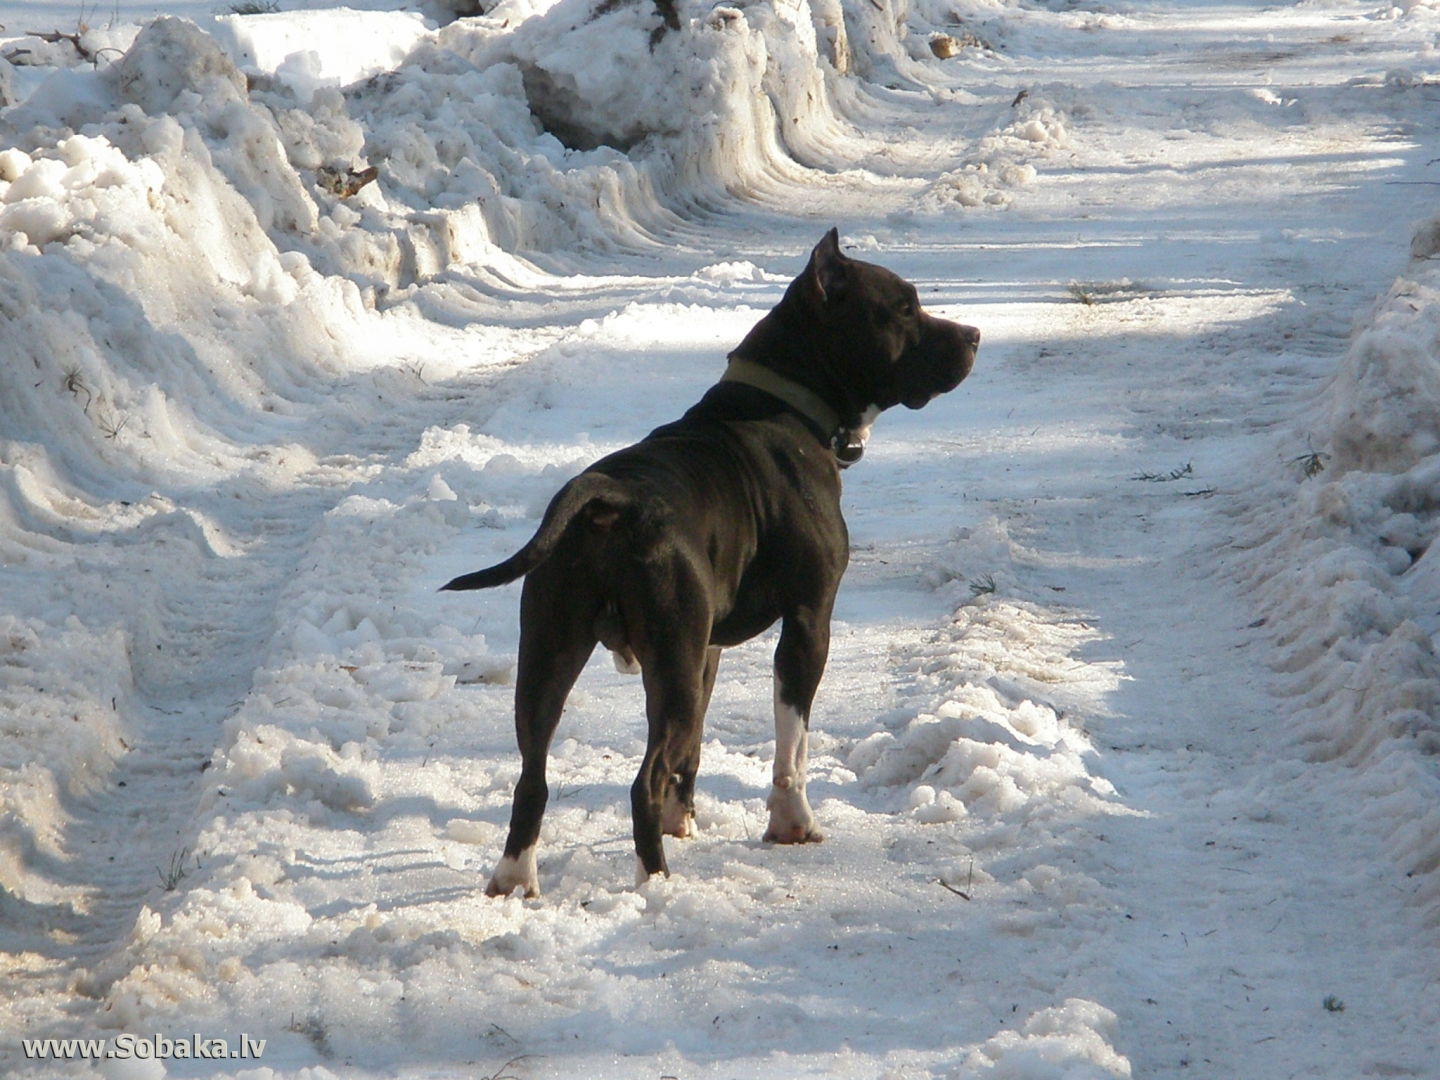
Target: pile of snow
(536, 128)
(1069, 1041)
(1348, 574)
(992, 738)
(999, 166)
(994, 741)
(150, 320)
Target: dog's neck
(800, 398)
(844, 443)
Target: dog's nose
(971, 335)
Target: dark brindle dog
(710, 529)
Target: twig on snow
(969, 883)
(501, 1074)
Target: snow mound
(1384, 404)
(998, 683)
(994, 741)
(172, 57)
(1348, 575)
(151, 320)
(1001, 162)
(1066, 1042)
(700, 100)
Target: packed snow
(1126, 755)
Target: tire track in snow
(200, 623)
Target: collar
(846, 445)
(803, 400)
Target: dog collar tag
(847, 448)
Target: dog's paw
(515, 873)
(642, 875)
(793, 834)
(625, 662)
(791, 821)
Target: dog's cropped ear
(826, 272)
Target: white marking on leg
(791, 821)
(515, 872)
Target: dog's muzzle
(936, 365)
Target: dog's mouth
(919, 396)
(919, 400)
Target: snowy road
(1059, 683)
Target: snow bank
(153, 322)
(1347, 573)
(536, 128)
(156, 340)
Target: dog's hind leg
(799, 663)
(673, 664)
(677, 815)
(546, 669)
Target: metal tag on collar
(847, 447)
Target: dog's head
(856, 334)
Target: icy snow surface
(1126, 753)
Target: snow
(1126, 753)
(1345, 572)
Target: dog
(707, 532)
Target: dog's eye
(906, 310)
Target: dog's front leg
(799, 663)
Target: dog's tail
(585, 489)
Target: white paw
(515, 873)
(791, 821)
